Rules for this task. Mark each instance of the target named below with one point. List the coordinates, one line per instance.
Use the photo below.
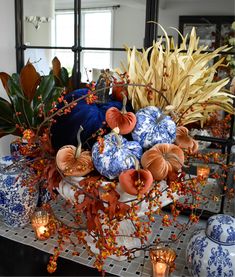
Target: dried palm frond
(184, 75)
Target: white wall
(170, 10)
(129, 28)
(7, 53)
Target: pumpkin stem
(160, 118)
(79, 147)
(115, 132)
(124, 101)
(137, 163)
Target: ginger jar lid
(221, 229)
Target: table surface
(33, 262)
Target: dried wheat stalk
(186, 79)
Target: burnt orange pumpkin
(136, 181)
(124, 120)
(184, 140)
(117, 91)
(72, 161)
(163, 159)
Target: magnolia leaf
(6, 109)
(44, 91)
(29, 80)
(7, 131)
(56, 67)
(64, 76)
(15, 90)
(4, 78)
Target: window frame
(77, 48)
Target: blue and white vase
(211, 252)
(17, 201)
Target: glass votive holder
(203, 172)
(162, 261)
(39, 221)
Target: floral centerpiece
(118, 174)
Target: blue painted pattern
(211, 252)
(115, 158)
(148, 131)
(17, 203)
(220, 259)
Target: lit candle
(40, 220)
(162, 261)
(203, 172)
(160, 269)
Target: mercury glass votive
(39, 221)
(203, 172)
(162, 261)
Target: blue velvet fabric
(91, 117)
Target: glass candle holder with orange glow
(162, 261)
(39, 221)
(203, 172)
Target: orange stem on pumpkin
(79, 147)
(124, 101)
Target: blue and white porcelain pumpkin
(17, 201)
(211, 252)
(116, 155)
(153, 127)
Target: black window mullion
(19, 34)
(76, 77)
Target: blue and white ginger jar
(211, 252)
(17, 202)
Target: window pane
(42, 58)
(40, 26)
(96, 28)
(64, 29)
(128, 22)
(93, 60)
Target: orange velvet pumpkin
(183, 140)
(163, 159)
(71, 165)
(72, 161)
(136, 181)
(124, 120)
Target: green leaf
(56, 93)
(28, 113)
(16, 78)
(64, 76)
(6, 109)
(23, 107)
(15, 89)
(4, 124)
(43, 91)
(7, 131)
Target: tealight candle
(203, 171)
(39, 221)
(162, 261)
